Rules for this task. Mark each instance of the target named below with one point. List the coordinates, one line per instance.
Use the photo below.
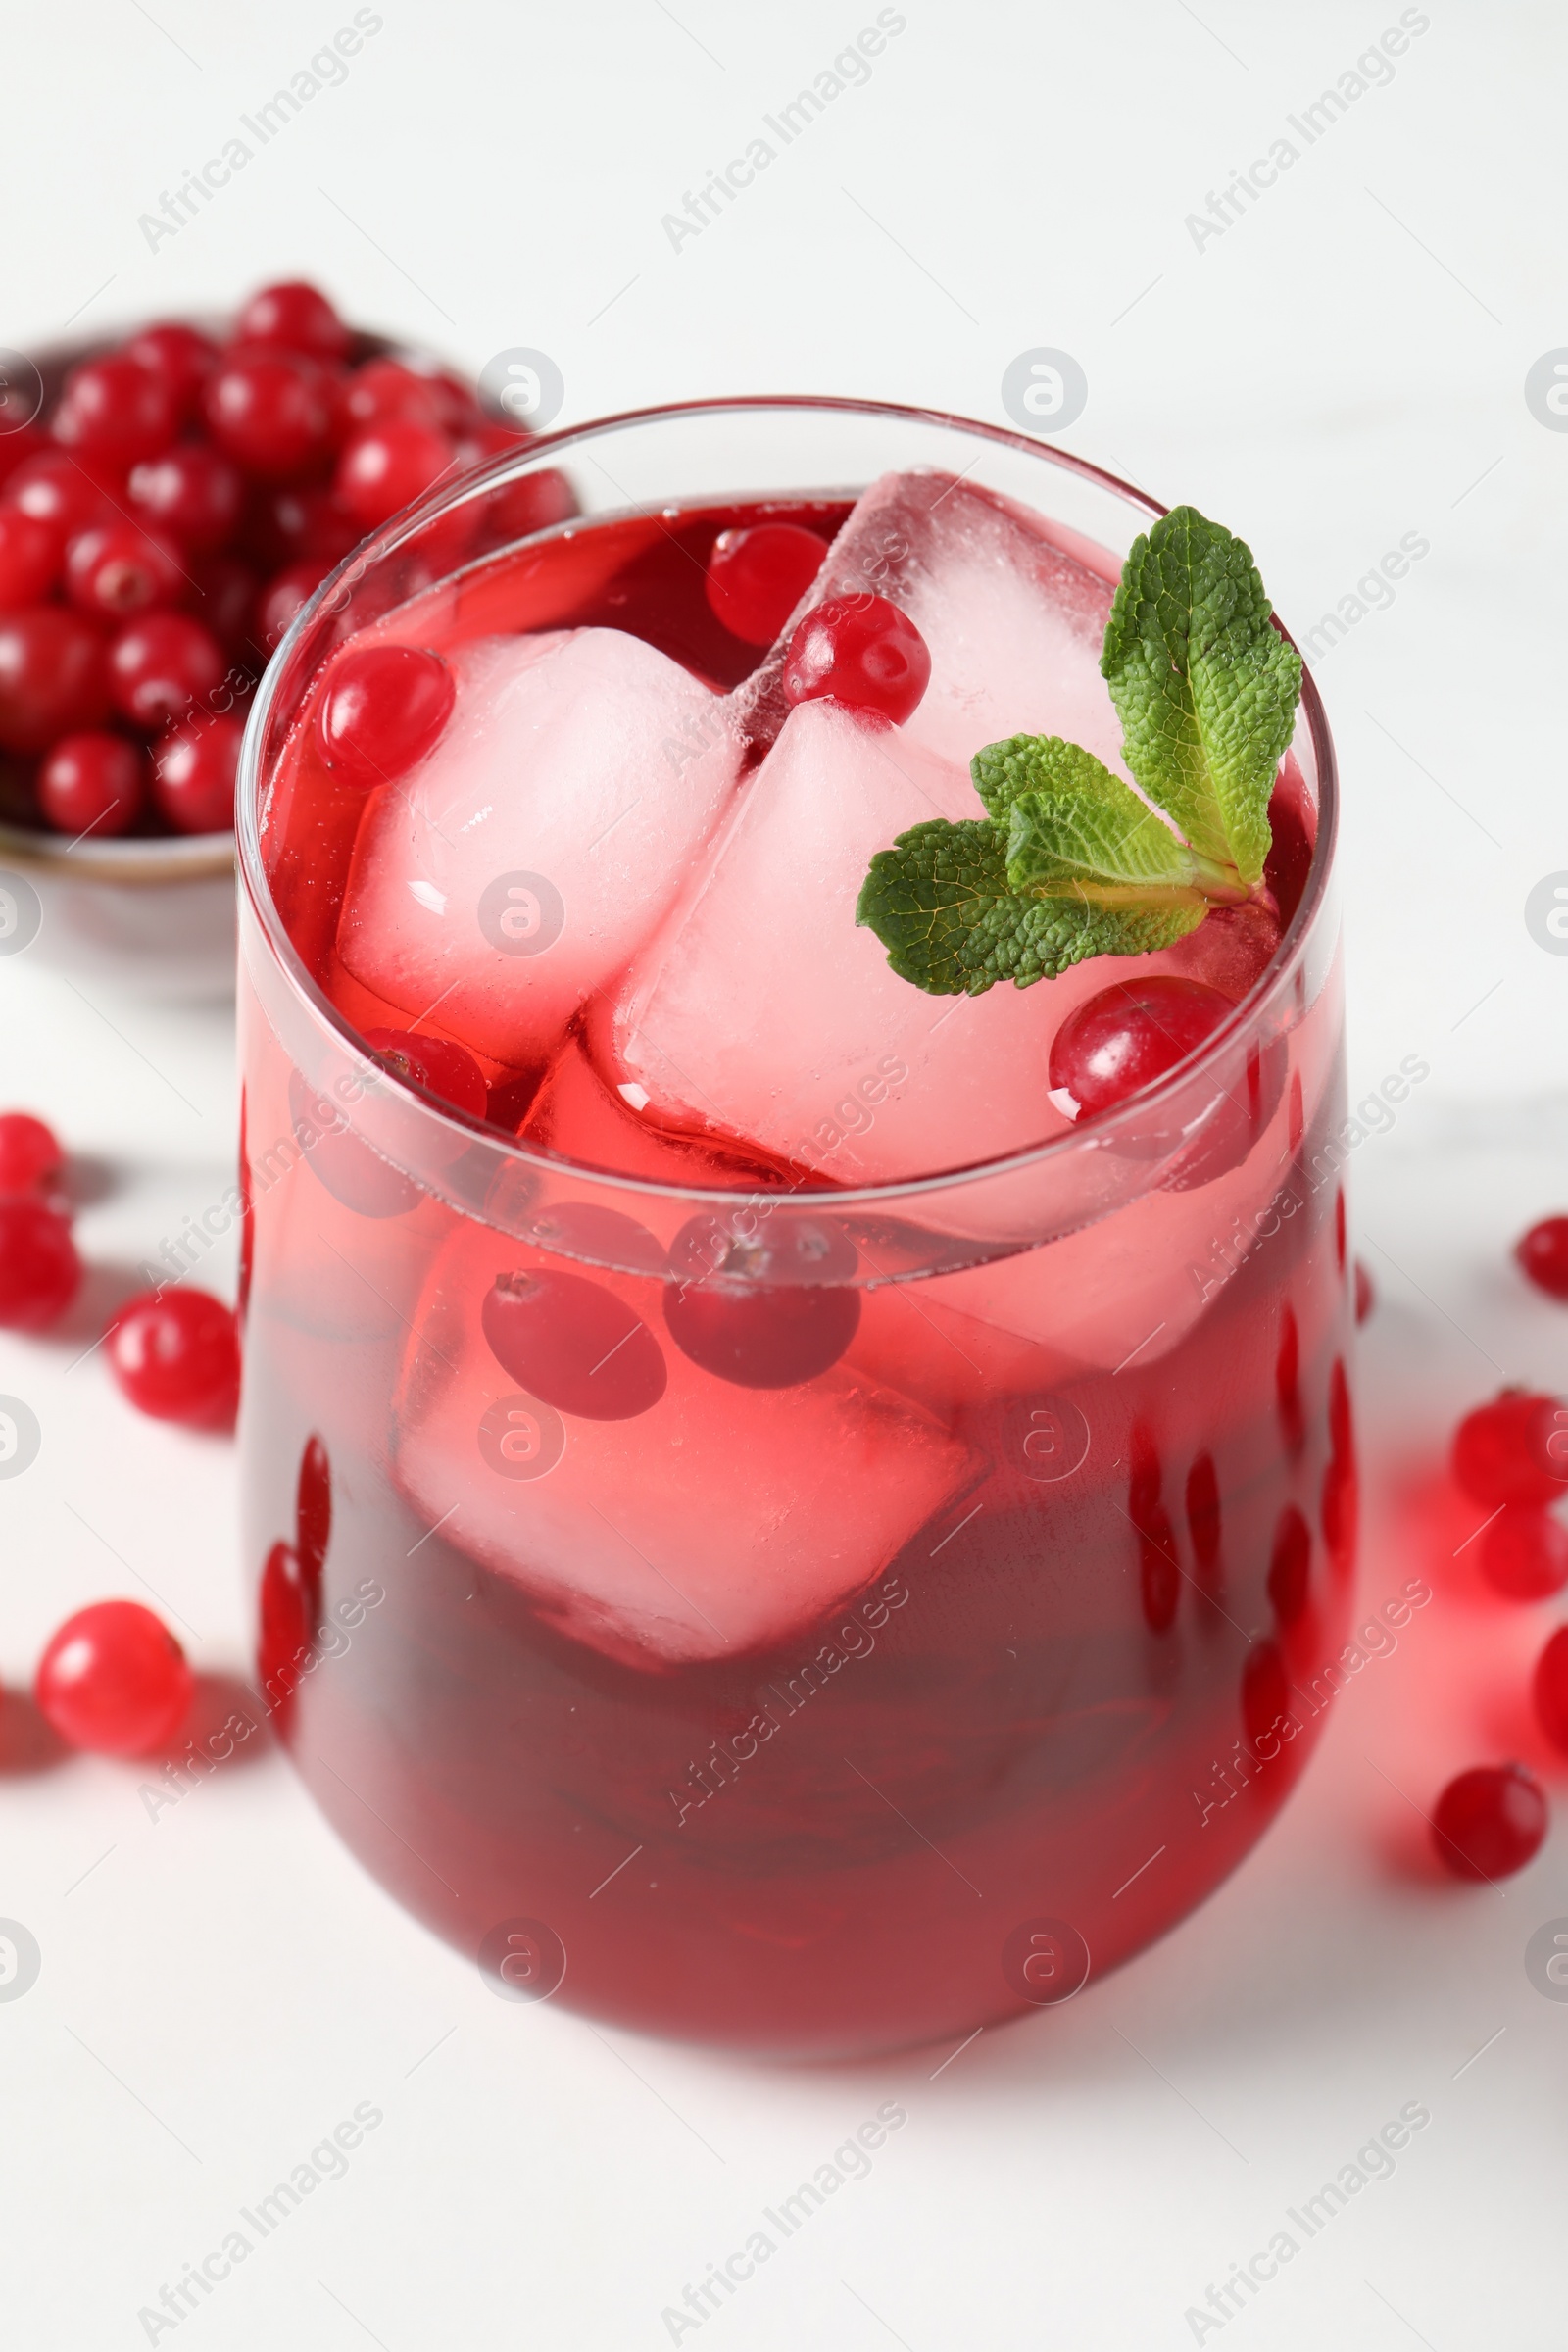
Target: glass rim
(510, 464)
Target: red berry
(860, 651)
(193, 492)
(386, 388)
(29, 1152)
(91, 783)
(1514, 1450)
(58, 488)
(39, 1269)
(161, 664)
(288, 1611)
(114, 1680)
(273, 412)
(53, 677)
(434, 1063)
(532, 503)
(176, 1355)
(115, 410)
(1489, 1822)
(29, 558)
(1130, 1036)
(296, 316)
(573, 1345)
(223, 597)
(1524, 1554)
(118, 569)
(762, 1308)
(312, 1511)
(389, 466)
(1552, 1689)
(26, 441)
(383, 707)
(194, 767)
(756, 577)
(290, 521)
(1366, 1297)
(181, 355)
(339, 1159)
(1543, 1255)
(284, 597)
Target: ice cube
(1013, 617)
(717, 1520)
(515, 870)
(764, 1009)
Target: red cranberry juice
(1046, 1731)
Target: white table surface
(1344, 364)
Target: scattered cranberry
(573, 1345)
(1366, 1297)
(1552, 1689)
(161, 664)
(39, 1269)
(120, 569)
(1514, 1450)
(114, 1680)
(1542, 1254)
(53, 677)
(765, 1308)
(91, 783)
(29, 1155)
(295, 316)
(1130, 1035)
(861, 652)
(194, 767)
(434, 1063)
(181, 355)
(383, 389)
(284, 599)
(176, 1355)
(1524, 1554)
(382, 710)
(56, 487)
(114, 411)
(29, 558)
(756, 577)
(389, 466)
(193, 492)
(1489, 1822)
(271, 411)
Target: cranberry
(39, 1269)
(193, 774)
(161, 664)
(91, 783)
(1366, 1297)
(1489, 1822)
(1129, 1037)
(573, 1345)
(224, 596)
(298, 317)
(26, 441)
(755, 578)
(1514, 1450)
(1291, 1566)
(55, 487)
(293, 521)
(273, 412)
(385, 389)
(1552, 1689)
(118, 569)
(349, 1167)
(193, 492)
(114, 1680)
(176, 1355)
(312, 1511)
(532, 503)
(1524, 1554)
(114, 410)
(52, 677)
(389, 466)
(181, 355)
(860, 651)
(382, 710)
(29, 1153)
(29, 558)
(434, 1063)
(1542, 1254)
(285, 596)
(289, 1613)
(766, 1307)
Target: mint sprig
(1069, 862)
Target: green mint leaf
(1077, 831)
(941, 902)
(1205, 686)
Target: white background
(1343, 366)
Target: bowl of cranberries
(169, 504)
